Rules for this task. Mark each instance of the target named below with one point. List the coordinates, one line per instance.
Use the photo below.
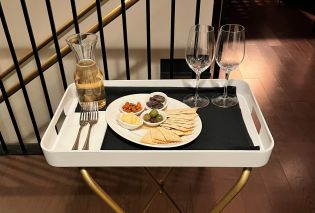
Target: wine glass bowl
(199, 55)
(229, 54)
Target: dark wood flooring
(279, 66)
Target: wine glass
(229, 54)
(199, 56)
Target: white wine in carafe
(89, 82)
(87, 76)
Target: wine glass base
(200, 101)
(224, 102)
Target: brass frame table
(225, 200)
(56, 146)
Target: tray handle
(68, 104)
(261, 125)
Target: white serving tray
(57, 146)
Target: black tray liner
(222, 129)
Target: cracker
(182, 116)
(177, 127)
(181, 111)
(181, 133)
(169, 135)
(147, 138)
(185, 125)
(157, 135)
(160, 142)
(182, 121)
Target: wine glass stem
(196, 87)
(227, 74)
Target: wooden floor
(280, 68)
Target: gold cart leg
(228, 197)
(99, 191)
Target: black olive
(153, 120)
(152, 99)
(159, 98)
(149, 104)
(159, 106)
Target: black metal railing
(21, 81)
(148, 27)
(55, 38)
(21, 148)
(103, 47)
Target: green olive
(146, 117)
(153, 113)
(159, 118)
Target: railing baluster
(3, 145)
(124, 23)
(9, 108)
(197, 15)
(18, 72)
(75, 16)
(172, 39)
(35, 52)
(57, 47)
(197, 12)
(216, 23)
(8, 105)
(100, 26)
(148, 38)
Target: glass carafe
(87, 76)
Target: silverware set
(88, 115)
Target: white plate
(135, 135)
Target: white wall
(136, 24)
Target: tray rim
(52, 155)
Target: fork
(92, 119)
(83, 122)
